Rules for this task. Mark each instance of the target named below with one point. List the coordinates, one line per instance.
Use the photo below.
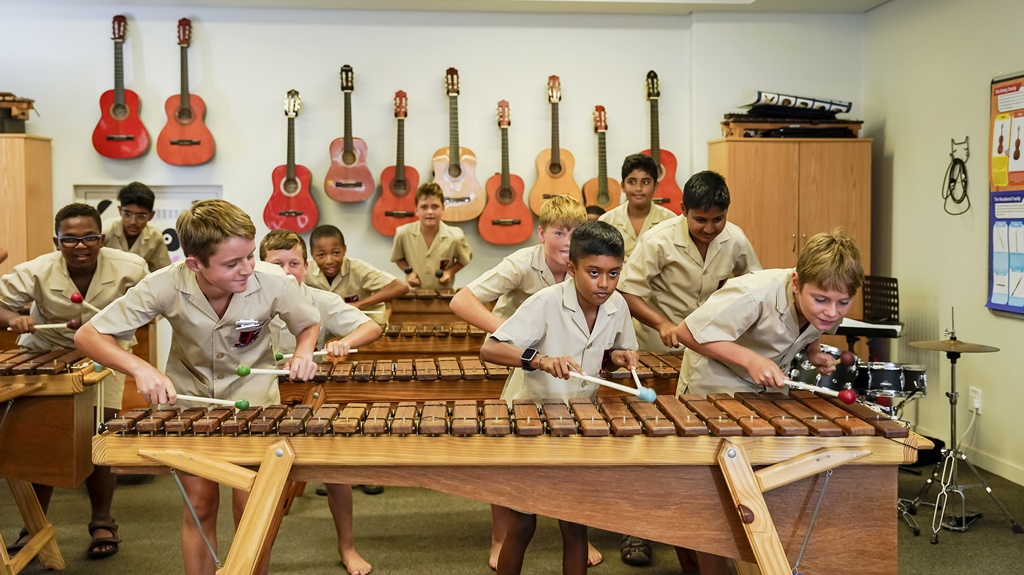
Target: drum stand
(949, 479)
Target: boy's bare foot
(593, 556)
(355, 564)
(495, 550)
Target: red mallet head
(848, 358)
(77, 298)
(74, 324)
(848, 396)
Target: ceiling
(528, 6)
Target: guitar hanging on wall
(505, 219)
(397, 202)
(455, 167)
(349, 178)
(602, 191)
(185, 139)
(668, 194)
(554, 165)
(291, 206)
(120, 133)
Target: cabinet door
(764, 179)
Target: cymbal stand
(949, 479)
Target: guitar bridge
(660, 200)
(506, 222)
(459, 200)
(399, 214)
(119, 138)
(290, 213)
(184, 142)
(347, 185)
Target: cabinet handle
(794, 243)
(803, 240)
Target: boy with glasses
(132, 233)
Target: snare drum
(885, 379)
(914, 379)
(804, 371)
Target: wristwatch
(407, 270)
(528, 356)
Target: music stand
(881, 306)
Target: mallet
(644, 393)
(279, 356)
(77, 298)
(240, 404)
(846, 358)
(244, 370)
(73, 324)
(846, 396)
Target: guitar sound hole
(454, 170)
(349, 158)
(119, 112)
(184, 115)
(291, 186)
(399, 187)
(555, 169)
(505, 196)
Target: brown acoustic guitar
(185, 139)
(554, 165)
(455, 167)
(397, 202)
(506, 219)
(602, 191)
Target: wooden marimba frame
(423, 304)
(652, 470)
(45, 437)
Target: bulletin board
(1006, 195)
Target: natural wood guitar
(185, 139)
(505, 219)
(455, 167)
(397, 202)
(291, 206)
(554, 165)
(602, 191)
(1016, 146)
(120, 133)
(349, 178)
(668, 195)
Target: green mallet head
(242, 404)
(278, 356)
(243, 370)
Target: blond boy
(428, 251)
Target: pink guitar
(349, 178)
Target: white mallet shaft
(605, 383)
(319, 353)
(91, 307)
(260, 371)
(207, 399)
(636, 378)
(47, 326)
(814, 388)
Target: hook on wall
(966, 144)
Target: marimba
(424, 338)
(677, 471)
(419, 303)
(45, 437)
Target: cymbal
(954, 346)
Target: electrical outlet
(975, 404)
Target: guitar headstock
(653, 91)
(292, 103)
(120, 26)
(451, 82)
(184, 32)
(554, 89)
(600, 119)
(504, 115)
(401, 105)
(348, 79)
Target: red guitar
(668, 194)
(602, 191)
(348, 179)
(291, 206)
(185, 139)
(505, 219)
(455, 167)
(397, 202)
(120, 133)
(554, 165)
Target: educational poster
(1006, 196)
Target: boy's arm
(301, 366)
(651, 317)
(16, 290)
(504, 353)
(762, 370)
(448, 275)
(411, 278)
(156, 387)
(393, 290)
(468, 307)
(367, 333)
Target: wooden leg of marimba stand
(42, 542)
(746, 568)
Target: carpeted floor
(412, 531)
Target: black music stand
(881, 307)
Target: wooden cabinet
(26, 197)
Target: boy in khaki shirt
(219, 303)
(515, 278)
(680, 262)
(337, 319)
(132, 233)
(582, 325)
(101, 275)
(639, 214)
(428, 251)
(361, 285)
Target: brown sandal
(101, 547)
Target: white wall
(927, 76)
(243, 61)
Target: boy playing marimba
(219, 302)
(582, 325)
(337, 319)
(132, 233)
(101, 275)
(428, 251)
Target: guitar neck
(505, 179)
(118, 74)
(655, 133)
(349, 147)
(184, 78)
(400, 154)
(453, 130)
(555, 160)
(291, 149)
(602, 166)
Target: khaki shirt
(337, 319)
(149, 245)
(518, 276)
(206, 349)
(619, 218)
(756, 311)
(46, 284)
(356, 280)
(668, 272)
(552, 322)
(449, 246)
